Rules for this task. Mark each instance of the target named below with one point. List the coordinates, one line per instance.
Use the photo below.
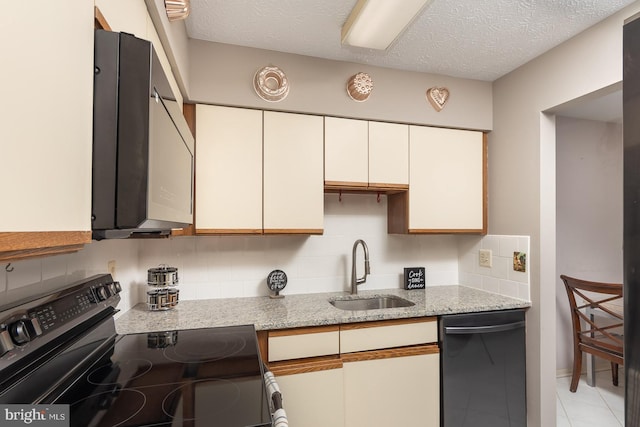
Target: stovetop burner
(204, 347)
(95, 410)
(191, 401)
(130, 369)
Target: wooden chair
(589, 336)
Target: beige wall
(522, 176)
(223, 74)
(175, 41)
(589, 214)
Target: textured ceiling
(462, 38)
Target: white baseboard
(601, 365)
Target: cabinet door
(346, 147)
(46, 126)
(447, 170)
(293, 173)
(313, 399)
(228, 170)
(388, 155)
(392, 388)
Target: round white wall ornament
(271, 84)
(359, 87)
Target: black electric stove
(64, 350)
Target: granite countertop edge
(305, 310)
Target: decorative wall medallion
(359, 87)
(437, 97)
(177, 9)
(271, 84)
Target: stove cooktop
(62, 348)
(199, 377)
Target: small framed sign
(276, 281)
(414, 278)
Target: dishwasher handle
(465, 330)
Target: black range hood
(142, 146)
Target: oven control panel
(42, 320)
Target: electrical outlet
(484, 257)
(111, 268)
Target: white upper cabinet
(228, 170)
(346, 147)
(258, 172)
(46, 125)
(446, 184)
(365, 155)
(293, 173)
(388, 155)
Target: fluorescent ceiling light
(375, 24)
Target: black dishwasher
(483, 369)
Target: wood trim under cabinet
(363, 187)
(318, 231)
(99, 21)
(388, 188)
(485, 183)
(344, 185)
(21, 245)
(303, 330)
(303, 366)
(392, 322)
(446, 231)
(227, 231)
(390, 353)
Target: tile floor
(600, 406)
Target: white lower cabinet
(314, 399)
(369, 374)
(393, 390)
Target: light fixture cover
(375, 24)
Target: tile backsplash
(38, 276)
(237, 266)
(501, 277)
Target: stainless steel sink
(371, 303)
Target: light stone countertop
(309, 310)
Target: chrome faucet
(355, 281)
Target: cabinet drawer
(379, 335)
(304, 342)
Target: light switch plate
(484, 257)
